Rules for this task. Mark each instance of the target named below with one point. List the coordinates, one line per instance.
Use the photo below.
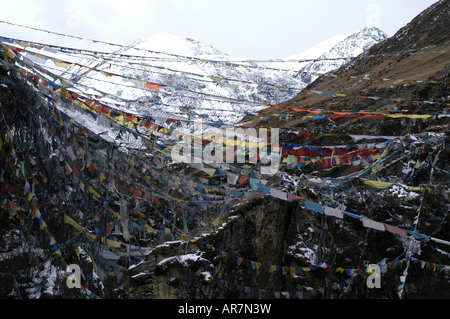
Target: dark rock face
(280, 236)
(31, 264)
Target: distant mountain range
(213, 85)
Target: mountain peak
(372, 32)
(340, 46)
(173, 44)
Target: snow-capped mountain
(294, 63)
(192, 74)
(183, 78)
(341, 46)
(169, 43)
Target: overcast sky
(249, 29)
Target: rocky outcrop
(280, 236)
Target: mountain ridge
(352, 46)
(253, 83)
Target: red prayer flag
(395, 230)
(242, 179)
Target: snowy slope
(345, 46)
(216, 87)
(292, 62)
(204, 82)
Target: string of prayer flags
(226, 63)
(367, 222)
(297, 270)
(156, 87)
(260, 186)
(380, 79)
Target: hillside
(398, 81)
(190, 74)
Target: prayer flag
(153, 86)
(369, 223)
(314, 206)
(333, 212)
(395, 230)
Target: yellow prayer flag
(412, 116)
(377, 184)
(217, 221)
(8, 136)
(348, 289)
(9, 53)
(22, 43)
(62, 64)
(64, 83)
(93, 191)
(292, 270)
(209, 171)
(91, 236)
(112, 243)
(376, 156)
(70, 221)
(417, 166)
